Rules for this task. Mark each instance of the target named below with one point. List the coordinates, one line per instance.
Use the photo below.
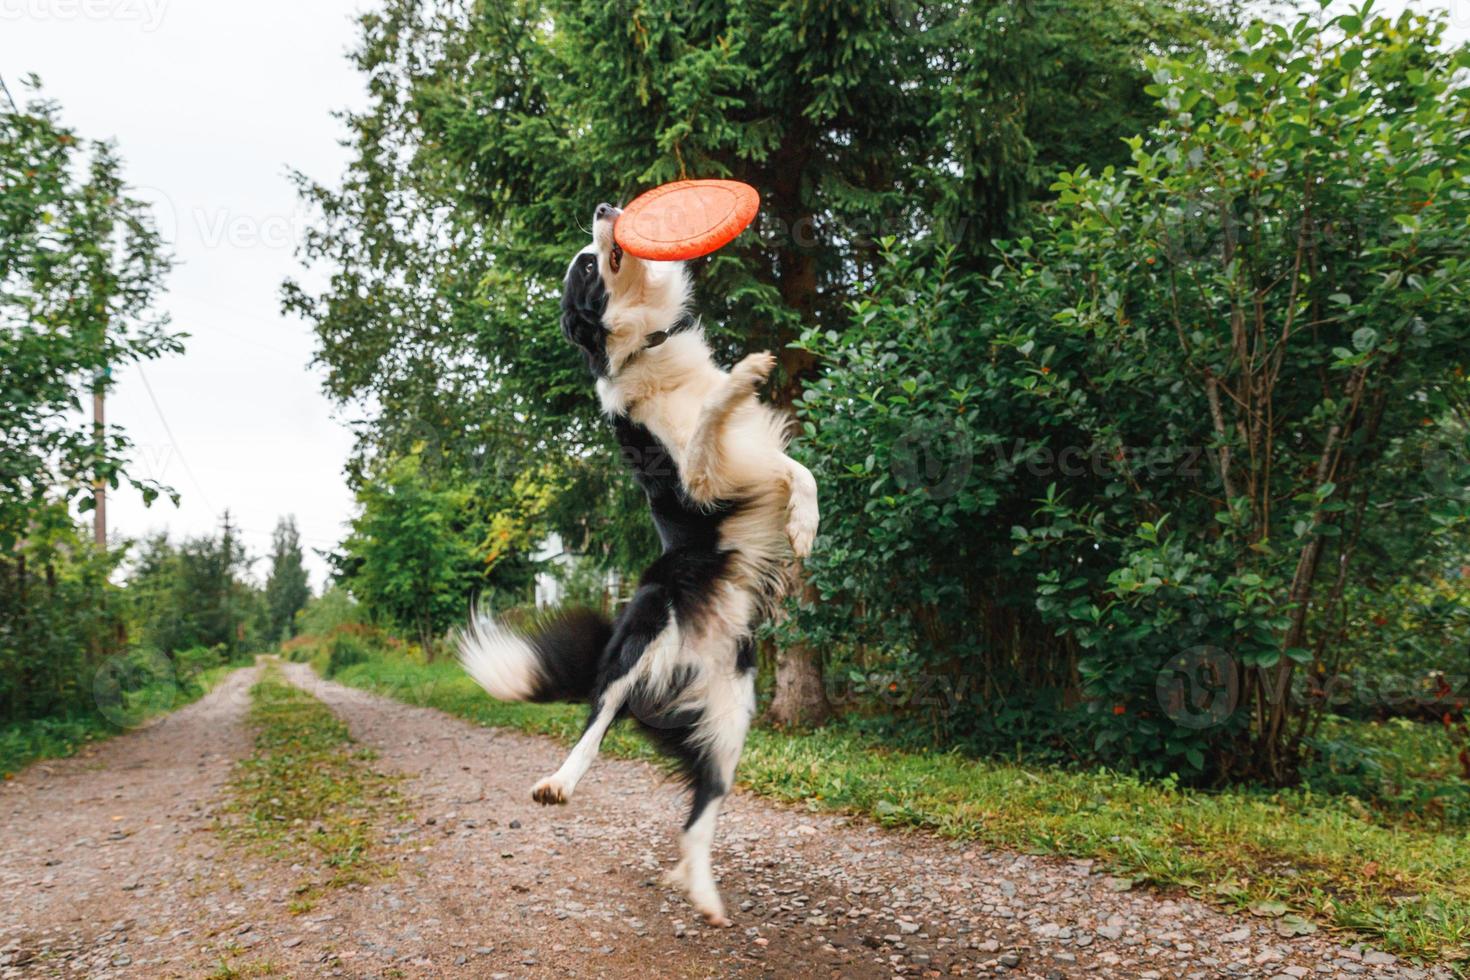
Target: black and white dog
(732, 510)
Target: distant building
(548, 584)
(559, 563)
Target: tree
(286, 588)
(1197, 439)
(196, 594)
(494, 129)
(80, 267)
(413, 556)
(59, 617)
(1281, 272)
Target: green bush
(346, 649)
(1406, 768)
(24, 741)
(301, 653)
(60, 619)
(1140, 472)
(332, 609)
(190, 663)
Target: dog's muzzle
(606, 212)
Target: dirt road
(112, 867)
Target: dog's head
(612, 303)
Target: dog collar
(657, 338)
(654, 339)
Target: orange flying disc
(686, 219)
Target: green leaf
(1294, 925)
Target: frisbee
(686, 219)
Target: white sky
(210, 101)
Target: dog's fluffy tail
(556, 662)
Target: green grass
(1409, 770)
(1325, 857)
(307, 793)
(24, 742)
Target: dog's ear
(583, 302)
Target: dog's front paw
(801, 527)
(550, 792)
(753, 369)
(801, 534)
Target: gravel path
(110, 869)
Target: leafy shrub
(300, 649)
(189, 664)
(23, 741)
(332, 609)
(346, 649)
(60, 619)
(1405, 768)
(1149, 461)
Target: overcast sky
(210, 102)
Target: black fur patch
(745, 655)
(569, 650)
(583, 302)
(680, 522)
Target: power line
(173, 441)
(308, 538)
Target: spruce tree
(286, 588)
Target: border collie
(732, 510)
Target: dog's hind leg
(644, 627)
(720, 737)
(694, 872)
(701, 469)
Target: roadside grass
(1409, 770)
(1298, 857)
(227, 970)
(24, 742)
(307, 794)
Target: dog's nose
(607, 211)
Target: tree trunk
(800, 698)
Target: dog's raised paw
(801, 528)
(801, 534)
(753, 369)
(549, 792)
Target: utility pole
(227, 550)
(99, 434)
